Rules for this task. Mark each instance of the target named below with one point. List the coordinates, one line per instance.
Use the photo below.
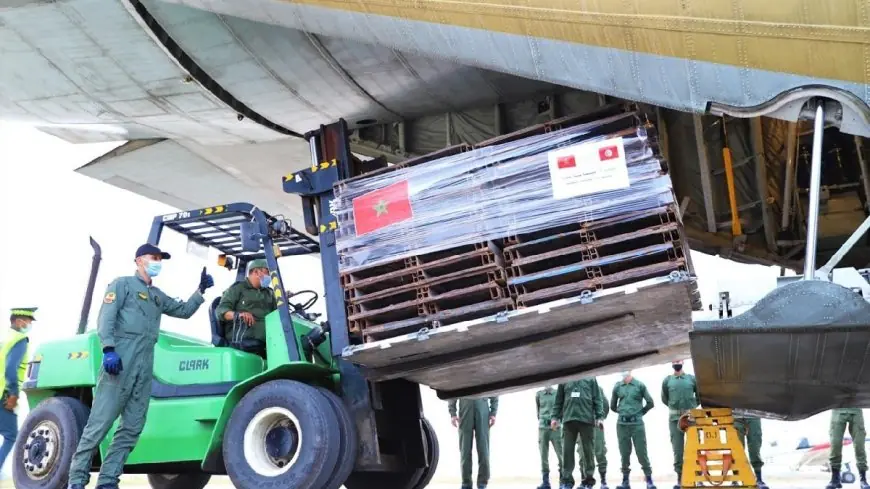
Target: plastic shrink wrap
(599, 170)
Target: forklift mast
(388, 415)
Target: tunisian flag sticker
(608, 153)
(381, 208)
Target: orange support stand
(714, 455)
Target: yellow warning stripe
(213, 210)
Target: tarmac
(799, 480)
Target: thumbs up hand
(205, 281)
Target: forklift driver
(243, 308)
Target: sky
(47, 213)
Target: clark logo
(191, 365)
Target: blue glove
(112, 362)
(205, 281)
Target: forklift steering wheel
(306, 305)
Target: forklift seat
(248, 345)
(217, 338)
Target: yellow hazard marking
(110, 298)
(78, 355)
(324, 165)
(331, 226)
(288, 177)
(213, 210)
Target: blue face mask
(153, 268)
(265, 281)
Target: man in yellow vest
(13, 355)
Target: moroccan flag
(382, 207)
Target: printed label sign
(588, 168)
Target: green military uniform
(599, 445)
(129, 322)
(545, 400)
(679, 394)
(578, 407)
(631, 401)
(244, 297)
(749, 431)
(474, 417)
(854, 417)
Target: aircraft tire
(45, 445)
(282, 434)
(178, 481)
(349, 441)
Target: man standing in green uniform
(545, 400)
(749, 431)
(474, 419)
(679, 394)
(854, 417)
(244, 306)
(127, 326)
(580, 410)
(13, 356)
(600, 447)
(631, 401)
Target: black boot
(678, 485)
(864, 484)
(835, 480)
(625, 484)
(649, 483)
(588, 482)
(759, 481)
(603, 481)
(546, 481)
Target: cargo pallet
(433, 290)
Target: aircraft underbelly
(659, 54)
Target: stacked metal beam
(516, 223)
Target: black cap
(25, 312)
(150, 249)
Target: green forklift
(301, 418)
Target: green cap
(260, 263)
(25, 312)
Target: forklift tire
(433, 454)
(81, 411)
(46, 442)
(282, 434)
(179, 481)
(408, 479)
(349, 441)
